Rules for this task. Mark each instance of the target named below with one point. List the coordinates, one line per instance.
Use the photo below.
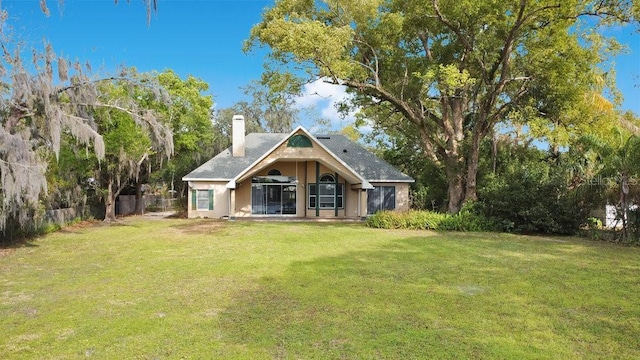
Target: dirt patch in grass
(204, 226)
(5, 252)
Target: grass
(190, 289)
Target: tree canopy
(447, 71)
(46, 99)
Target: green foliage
(468, 220)
(593, 228)
(533, 196)
(616, 158)
(131, 139)
(465, 220)
(195, 137)
(416, 220)
(444, 73)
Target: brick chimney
(237, 135)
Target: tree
(35, 113)
(128, 143)
(189, 116)
(444, 70)
(526, 189)
(45, 100)
(617, 160)
(266, 111)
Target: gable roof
(225, 167)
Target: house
(294, 175)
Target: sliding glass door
(273, 195)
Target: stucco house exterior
(296, 175)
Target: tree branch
(456, 29)
(424, 39)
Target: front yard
(174, 289)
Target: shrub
(429, 220)
(533, 199)
(468, 221)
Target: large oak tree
(447, 71)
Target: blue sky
(203, 38)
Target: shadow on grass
(10, 244)
(13, 237)
(447, 296)
(386, 303)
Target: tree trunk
(624, 191)
(110, 203)
(454, 170)
(456, 194)
(139, 200)
(454, 159)
(471, 191)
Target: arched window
(327, 178)
(274, 172)
(299, 140)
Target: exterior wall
(220, 200)
(355, 203)
(402, 197)
(305, 172)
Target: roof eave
(393, 181)
(204, 179)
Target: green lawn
(191, 289)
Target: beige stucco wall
(220, 200)
(243, 194)
(305, 172)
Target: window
(299, 141)
(273, 199)
(327, 194)
(274, 172)
(202, 199)
(381, 198)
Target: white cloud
(323, 98)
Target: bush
(466, 220)
(533, 199)
(429, 220)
